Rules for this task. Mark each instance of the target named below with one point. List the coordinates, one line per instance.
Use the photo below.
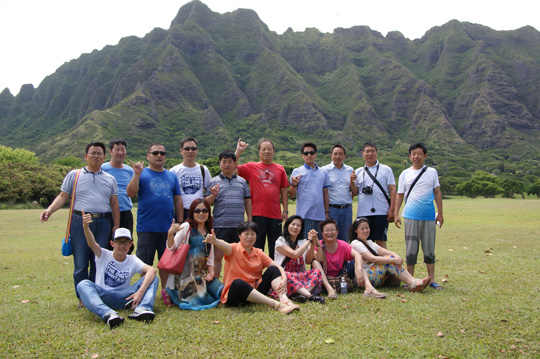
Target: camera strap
(415, 180)
(374, 178)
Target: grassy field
(487, 250)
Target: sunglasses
(200, 210)
(309, 153)
(192, 148)
(155, 153)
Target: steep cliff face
(220, 76)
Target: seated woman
(335, 253)
(195, 288)
(243, 277)
(379, 262)
(293, 254)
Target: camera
(367, 190)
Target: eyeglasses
(200, 210)
(122, 243)
(309, 153)
(330, 230)
(96, 154)
(155, 153)
(192, 148)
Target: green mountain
(470, 92)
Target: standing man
(268, 183)
(97, 195)
(310, 185)
(123, 174)
(375, 186)
(159, 198)
(230, 196)
(419, 186)
(192, 177)
(339, 192)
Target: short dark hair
(338, 146)
(414, 146)
(187, 139)
(308, 144)
(247, 226)
(264, 140)
(227, 154)
(154, 144)
(95, 144)
(117, 141)
(369, 144)
(328, 221)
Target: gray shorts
(419, 232)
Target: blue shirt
(229, 203)
(123, 177)
(339, 191)
(156, 200)
(309, 193)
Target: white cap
(122, 233)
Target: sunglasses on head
(200, 210)
(155, 153)
(309, 153)
(192, 148)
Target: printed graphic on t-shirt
(190, 184)
(114, 277)
(266, 176)
(158, 187)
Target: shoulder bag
(173, 261)
(67, 249)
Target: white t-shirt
(279, 258)
(376, 200)
(191, 182)
(360, 248)
(419, 206)
(111, 274)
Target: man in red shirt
(268, 184)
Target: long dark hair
(353, 236)
(208, 225)
(287, 235)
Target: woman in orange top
(243, 278)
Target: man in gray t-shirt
(230, 195)
(96, 193)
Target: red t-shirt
(265, 182)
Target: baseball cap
(122, 233)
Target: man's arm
(249, 210)
(220, 243)
(58, 202)
(179, 208)
(295, 180)
(390, 215)
(240, 147)
(353, 186)
(399, 200)
(438, 202)
(326, 201)
(115, 211)
(284, 203)
(90, 239)
(133, 186)
(150, 274)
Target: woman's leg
(317, 265)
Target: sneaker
(142, 316)
(113, 320)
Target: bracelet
(294, 186)
(284, 211)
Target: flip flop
(421, 287)
(166, 298)
(332, 295)
(284, 308)
(436, 286)
(373, 293)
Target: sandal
(166, 298)
(316, 298)
(435, 285)
(284, 308)
(299, 298)
(373, 293)
(420, 287)
(291, 304)
(332, 295)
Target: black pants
(267, 227)
(126, 221)
(240, 290)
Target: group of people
(175, 207)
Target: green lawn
(487, 250)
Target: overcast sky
(38, 36)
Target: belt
(95, 215)
(341, 206)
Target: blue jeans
(102, 301)
(343, 217)
(82, 254)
